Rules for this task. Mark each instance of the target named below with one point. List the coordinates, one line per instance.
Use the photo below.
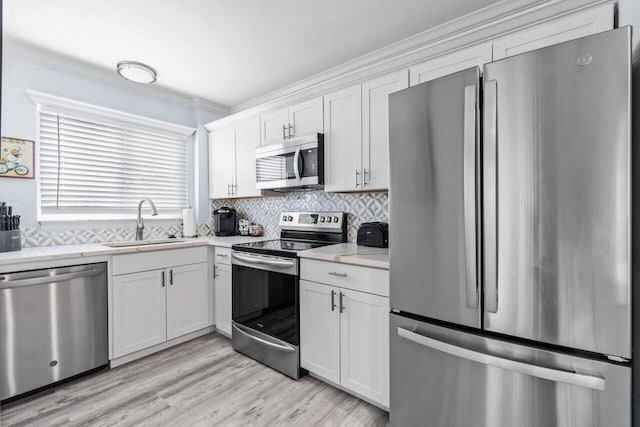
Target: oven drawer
(223, 255)
(364, 279)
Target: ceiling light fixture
(136, 72)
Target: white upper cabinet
(375, 128)
(232, 166)
(221, 162)
(274, 126)
(304, 118)
(247, 139)
(343, 139)
(474, 56)
(555, 31)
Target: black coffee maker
(225, 221)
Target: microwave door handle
(296, 168)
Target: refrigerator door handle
(469, 193)
(551, 374)
(490, 194)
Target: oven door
(295, 163)
(265, 295)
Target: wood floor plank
(203, 382)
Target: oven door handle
(246, 333)
(256, 260)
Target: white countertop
(350, 253)
(46, 253)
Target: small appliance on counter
(225, 221)
(374, 234)
(10, 237)
(243, 227)
(255, 230)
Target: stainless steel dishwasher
(53, 325)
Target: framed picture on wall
(17, 158)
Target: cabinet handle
(364, 177)
(222, 255)
(341, 304)
(162, 281)
(171, 276)
(333, 273)
(284, 130)
(228, 189)
(357, 174)
(333, 300)
(290, 131)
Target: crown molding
(73, 106)
(21, 50)
(485, 24)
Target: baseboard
(156, 348)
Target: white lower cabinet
(222, 297)
(320, 330)
(344, 338)
(139, 311)
(169, 298)
(187, 300)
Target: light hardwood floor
(203, 382)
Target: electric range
(265, 287)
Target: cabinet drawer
(223, 255)
(152, 260)
(364, 279)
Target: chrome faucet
(140, 225)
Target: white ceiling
(225, 51)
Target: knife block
(10, 240)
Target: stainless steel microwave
(296, 164)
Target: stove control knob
(289, 218)
(335, 219)
(321, 219)
(284, 217)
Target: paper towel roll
(188, 222)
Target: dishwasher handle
(49, 278)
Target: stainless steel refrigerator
(510, 241)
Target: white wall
(19, 121)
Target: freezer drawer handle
(7, 284)
(556, 375)
(263, 341)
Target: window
(96, 163)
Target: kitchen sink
(142, 243)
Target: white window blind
(100, 169)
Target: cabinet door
(558, 30)
(221, 162)
(474, 56)
(306, 118)
(187, 298)
(343, 139)
(320, 330)
(273, 126)
(247, 139)
(222, 298)
(139, 311)
(375, 128)
(364, 345)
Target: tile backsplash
(361, 207)
(35, 236)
